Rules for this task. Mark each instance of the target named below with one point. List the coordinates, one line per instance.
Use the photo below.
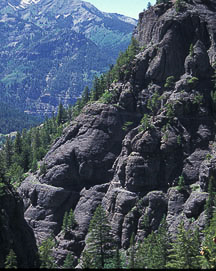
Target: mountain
(50, 50)
(146, 149)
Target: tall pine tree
(99, 245)
(185, 250)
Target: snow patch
(13, 7)
(66, 15)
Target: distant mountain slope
(14, 120)
(50, 50)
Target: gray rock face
(197, 63)
(168, 35)
(15, 233)
(83, 157)
(86, 152)
(133, 170)
(195, 203)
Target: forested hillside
(12, 119)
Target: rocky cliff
(130, 154)
(15, 233)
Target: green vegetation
(45, 253)
(69, 262)
(192, 82)
(100, 243)
(145, 123)
(101, 85)
(170, 82)
(69, 221)
(169, 111)
(210, 202)
(179, 5)
(152, 252)
(198, 99)
(11, 260)
(185, 250)
(191, 50)
(12, 119)
(127, 125)
(153, 103)
(24, 152)
(181, 183)
(208, 249)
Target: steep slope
(130, 154)
(50, 50)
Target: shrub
(169, 82)
(181, 183)
(145, 123)
(192, 82)
(127, 125)
(106, 97)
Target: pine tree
(8, 152)
(69, 221)
(43, 169)
(11, 260)
(95, 92)
(152, 253)
(69, 261)
(61, 115)
(99, 244)
(65, 222)
(184, 252)
(18, 144)
(210, 203)
(149, 5)
(208, 249)
(163, 239)
(85, 96)
(132, 252)
(45, 253)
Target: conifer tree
(8, 151)
(61, 115)
(69, 261)
(99, 244)
(210, 202)
(117, 261)
(95, 92)
(69, 221)
(18, 144)
(132, 252)
(11, 260)
(45, 253)
(152, 252)
(85, 96)
(184, 252)
(208, 249)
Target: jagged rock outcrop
(82, 157)
(15, 233)
(134, 172)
